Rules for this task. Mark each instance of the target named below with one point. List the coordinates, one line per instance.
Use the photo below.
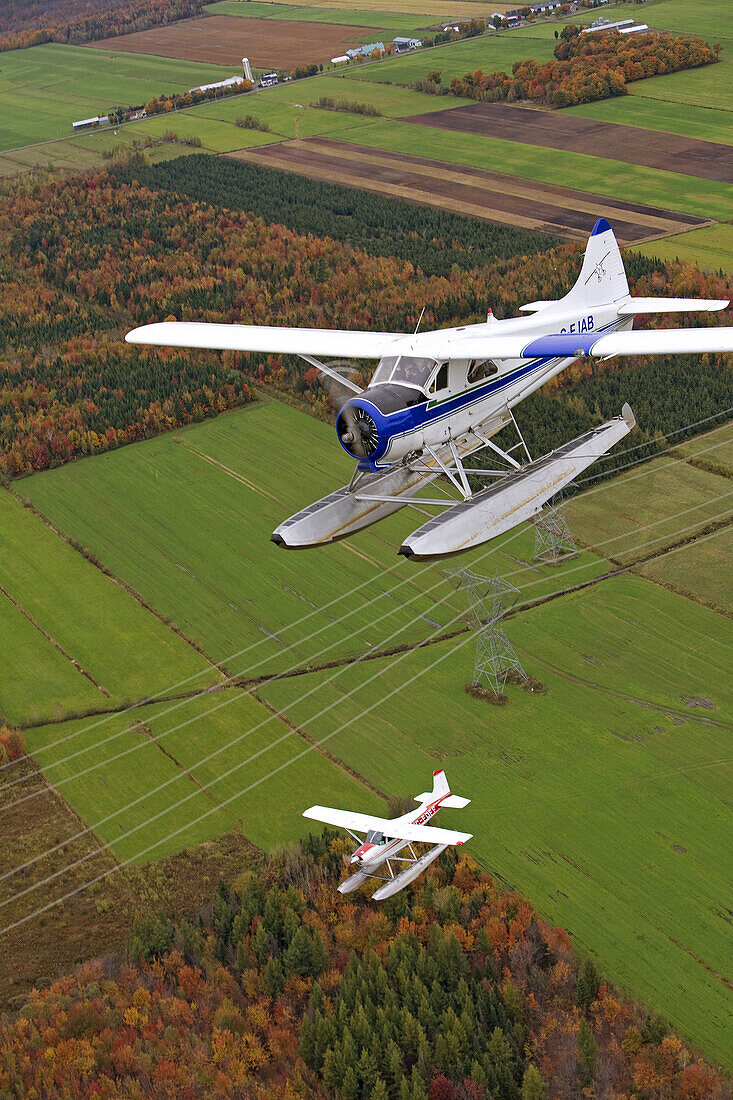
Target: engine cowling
(366, 423)
(357, 431)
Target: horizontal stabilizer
(515, 497)
(671, 305)
(535, 307)
(395, 830)
(454, 802)
(399, 882)
(342, 343)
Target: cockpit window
(374, 837)
(478, 369)
(410, 370)
(441, 379)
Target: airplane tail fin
(602, 278)
(441, 790)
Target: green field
(282, 109)
(46, 88)
(611, 813)
(487, 52)
(88, 643)
(200, 552)
(676, 495)
(711, 247)
(380, 20)
(613, 790)
(704, 123)
(635, 183)
(128, 758)
(709, 20)
(710, 86)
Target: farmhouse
(87, 123)
(545, 8)
(365, 51)
(401, 44)
(230, 80)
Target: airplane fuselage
(399, 416)
(370, 855)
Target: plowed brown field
(557, 130)
(226, 39)
(561, 211)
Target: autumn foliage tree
(453, 990)
(587, 67)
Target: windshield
(374, 837)
(408, 369)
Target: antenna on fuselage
(417, 326)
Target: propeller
(357, 431)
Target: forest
(25, 23)
(586, 68)
(85, 259)
(434, 240)
(453, 990)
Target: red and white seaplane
(385, 839)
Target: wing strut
(331, 373)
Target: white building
(247, 70)
(230, 80)
(87, 123)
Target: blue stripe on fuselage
(393, 425)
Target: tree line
(85, 259)
(25, 23)
(434, 240)
(587, 67)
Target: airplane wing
(341, 343)
(395, 830)
(668, 341)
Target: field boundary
(93, 560)
(53, 642)
(492, 196)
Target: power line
(288, 734)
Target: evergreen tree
(589, 983)
(587, 1052)
(533, 1085)
(273, 979)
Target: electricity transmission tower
(553, 541)
(489, 598)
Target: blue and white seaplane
(378, 855)
(438, 397)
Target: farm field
(462, 9)
(163, 775)
(280, 109)
(153, 515)
(711, 86)
(223, 39)
(62, 627)
(46, 88)
(711, 247)
(384, 20)
(608, 801)
(709, 20)
(487, 52)
(704, 123)
(677, 496)
(707, 199)
(556, 130)
(549, 209)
